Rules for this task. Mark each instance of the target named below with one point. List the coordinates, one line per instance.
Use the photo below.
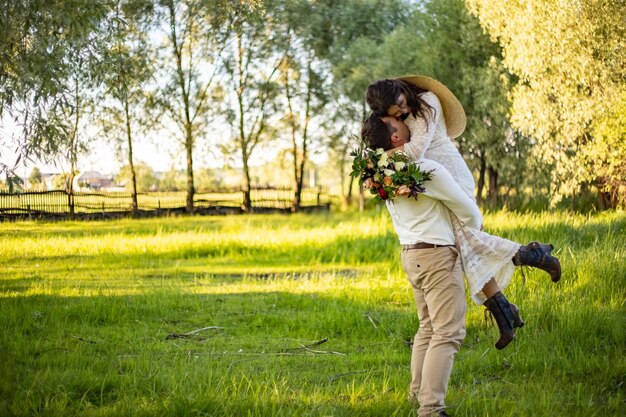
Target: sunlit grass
(87, 308)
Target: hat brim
(453, 112)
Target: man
(432, 265)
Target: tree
(343, 35)
(145, 179)
(251, 67)
(35, 179)
(569, 56)
(466, 60)
(206, 179)
(60, 181)
(83, 80)
(129, 69)
(341, 139)
(38, 43)
(442, 40)
(84, 77)
(173, 180)
(188, 63)
(303, 87)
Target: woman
(434, 116)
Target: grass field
(302, 315)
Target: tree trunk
(481, 181)
(297, 200)
(187, 122)
(297, 174)
(74, 149)
(243, 139)
(70, 190)
(493, 187)
(247, 201)
(190, 188)
(361, 199)
(348, 195)
(305, 138)
(133, 174)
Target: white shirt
(427, 219)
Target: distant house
(92, 180)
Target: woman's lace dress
(483, 256)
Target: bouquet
(387, 176)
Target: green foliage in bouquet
(387, 176)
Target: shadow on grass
(260, 354)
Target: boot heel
(517, 319)
(504, 340)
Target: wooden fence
(60, 202)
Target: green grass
(86, 309)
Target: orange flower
(387, 181)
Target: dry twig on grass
(191, 333)
(336, 377)
(308, 347)
(83, 340)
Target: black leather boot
(506, 316)
(540, 256)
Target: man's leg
(444, 294)
(412, 268)
(420, 343)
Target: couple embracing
(441, 231)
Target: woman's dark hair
(383, 94)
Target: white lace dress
(483, 256)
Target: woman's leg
(506, 314)
(491, 288)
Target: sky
(161, 155)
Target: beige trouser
(437, 281)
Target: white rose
(399, 165)
(389, 172)
(380, 151)
(383, 160)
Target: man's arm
(444, 188)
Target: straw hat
(453, 112)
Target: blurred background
(198, 95)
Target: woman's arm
(394, 150)
(422, 130)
